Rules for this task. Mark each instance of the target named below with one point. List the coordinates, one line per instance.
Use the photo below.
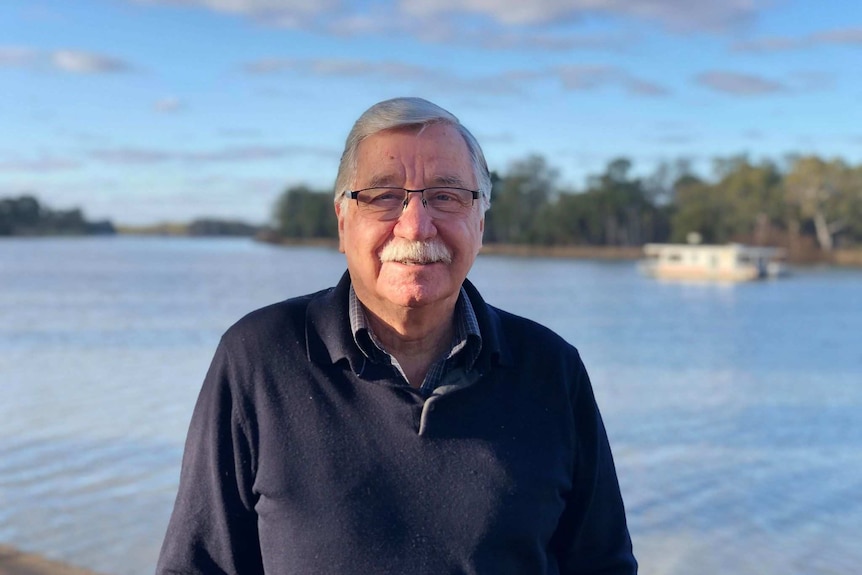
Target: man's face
(414, 160)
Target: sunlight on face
(411, 159)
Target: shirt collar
(467, 334)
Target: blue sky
(144, 111)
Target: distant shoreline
(847, 257)
(842, 257)
(15, 562)
(516, 250)
(570, 252)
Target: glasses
(387, 203)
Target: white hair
(404, 113)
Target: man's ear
(340, 216)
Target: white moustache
(406, 251)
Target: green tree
(851, 206)
(621, 210)
(661, 185)
(577, 219)
(699, 209)
(744, 204)
(19, 215)
(303, 213)
(825, 193)
(520, 198)
(24, 215)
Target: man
(398, 424)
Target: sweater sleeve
(213, 527)
(592, 537)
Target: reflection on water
(733, 410)
(95, 503)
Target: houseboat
(730, 262)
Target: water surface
(732, 409)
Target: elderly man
(396, 423)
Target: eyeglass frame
(354, 195)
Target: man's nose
(415, 221)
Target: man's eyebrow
(382, 180)
(449, 181)
(394, 180)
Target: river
(733, 410)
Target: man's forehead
(384, 178)
(444, 162)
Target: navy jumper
(304, 457)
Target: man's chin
(415, 278)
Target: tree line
(26, 216)
(801, 203)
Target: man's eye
(385, 198)
(444, 196)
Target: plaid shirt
(466, 338)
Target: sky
(147, 111)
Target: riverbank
(15, 562)
(517, 250)
(847, 257)
(572, 252)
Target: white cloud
(39, 165)
(512, 82)
(772, 44)
(640, 87)
(812, 80)
(169, 105)
(584, 78)
(15, 56)
(739, 84)
(78, 62)
(852, 36)
(508, 23)
(71, 61)
(683, 15)
(837, 37)
(251, 154)
(526, 39)
(426, 77)
(145, 156)
(454, 31)
(287, 13)
(132, 156)
(339, 67)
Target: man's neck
(415, 337)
